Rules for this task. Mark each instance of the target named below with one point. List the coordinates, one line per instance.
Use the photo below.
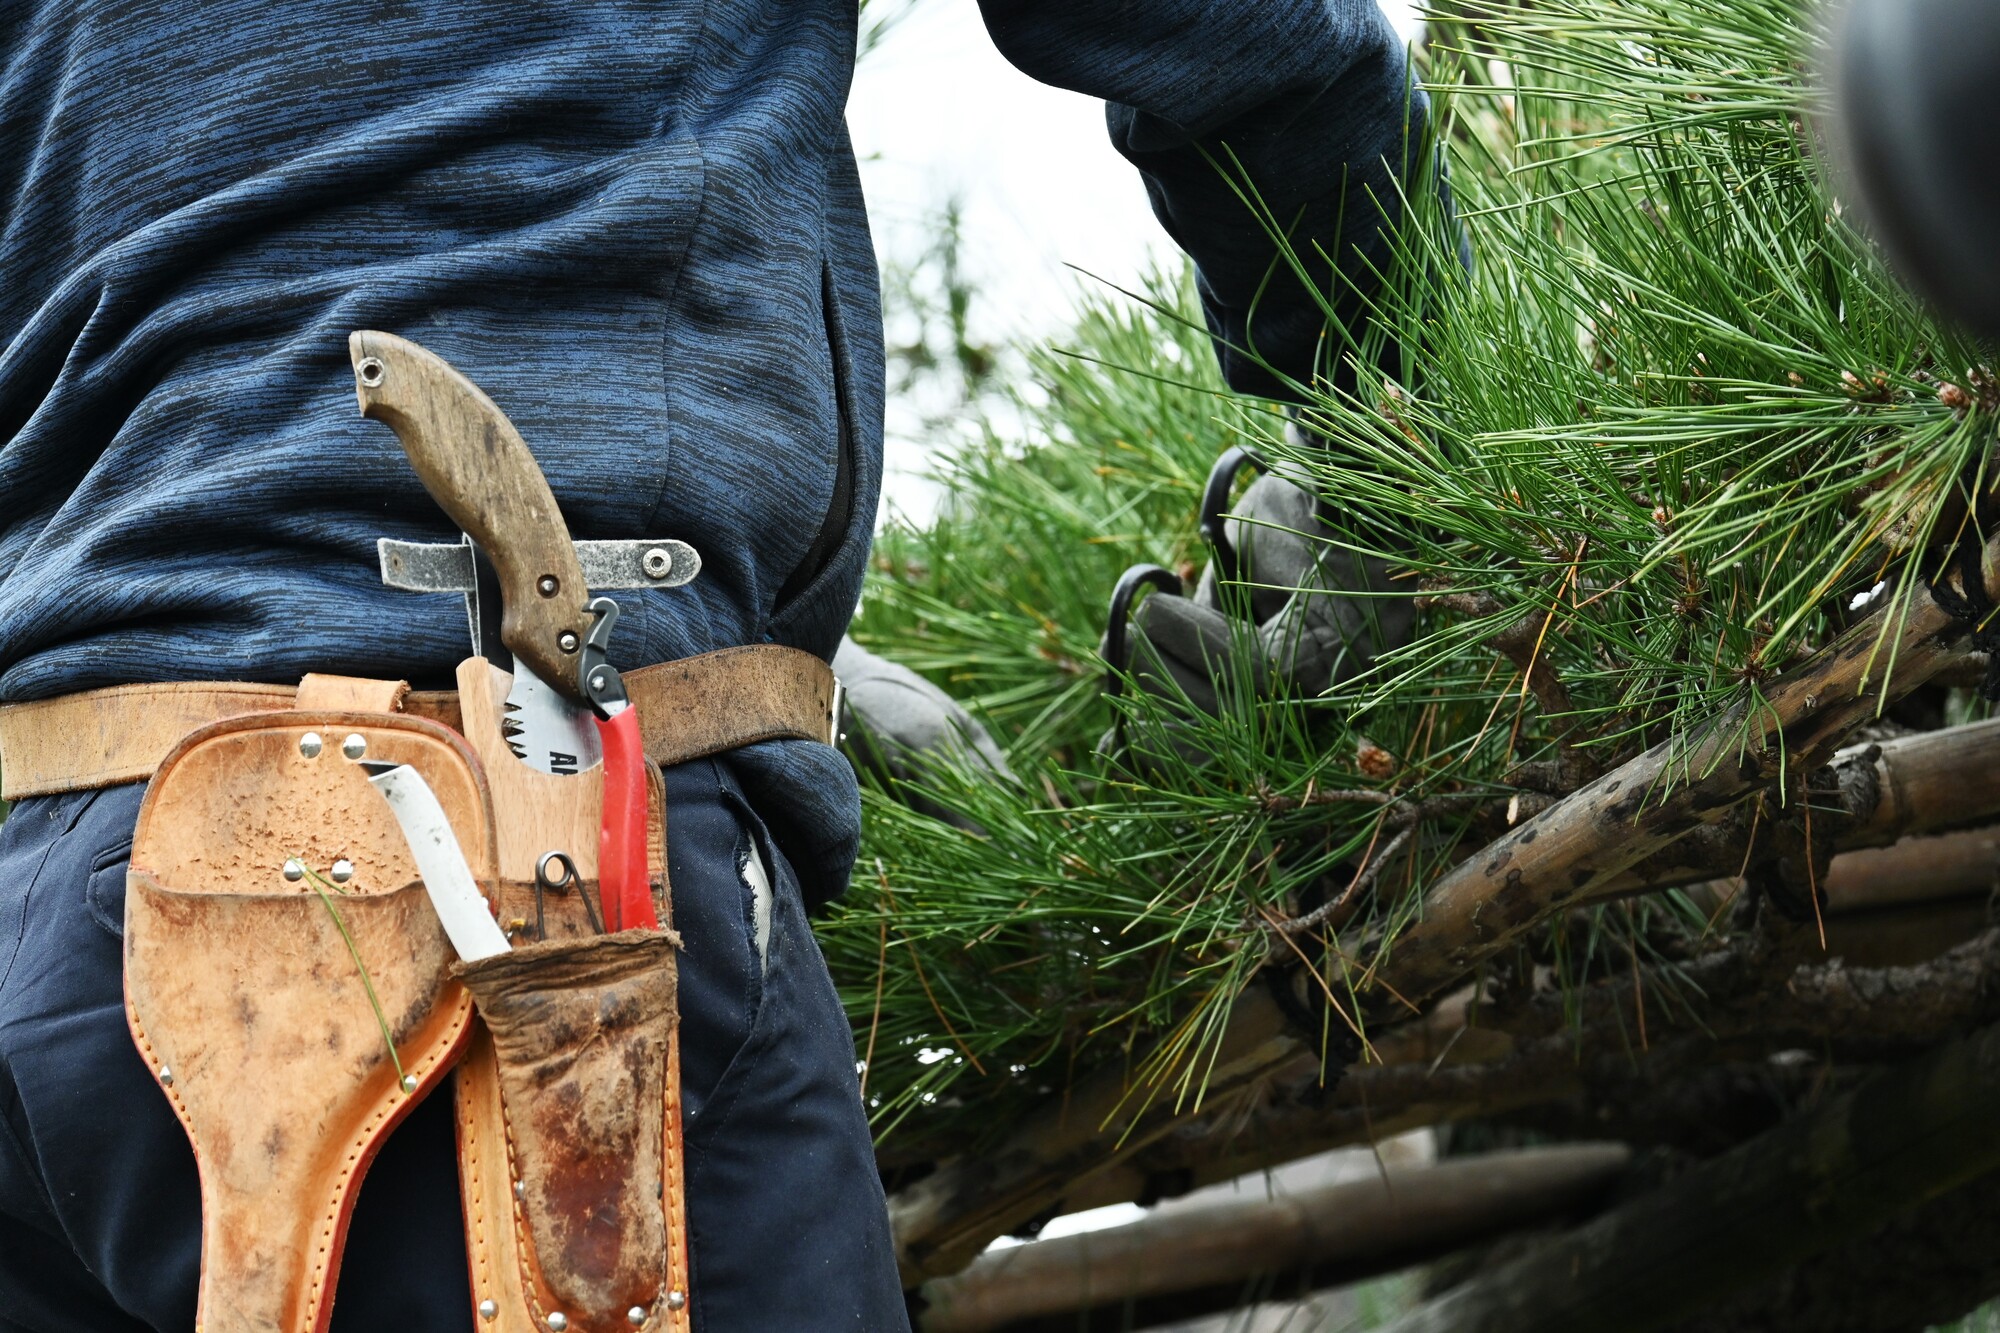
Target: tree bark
(1827, 1177)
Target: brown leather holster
(291, 987)
(255, 995)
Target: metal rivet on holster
(342, 871)
(636, 1316)
(676, 1300)
(354, 746)
(166, 1077)
(295, 870)
(558, 1321)
(489, 1309)
(311, 744)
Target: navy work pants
(99, 1212)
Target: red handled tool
(621, 852)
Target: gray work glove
(894, 719)
(1308, 634)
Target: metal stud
(547, 585)
(489, 1309)
(520, 1189)
(636, 1316)
(370, 371)
(295, 869)
(409, 1083)
(657, 562)
(354, 746)
(311, 744)
(558, 1322)
(342, 871)
(567, 641)
(677, 1300)
(166, 1077)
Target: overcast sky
(935, 113)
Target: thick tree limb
(1756, 1000)
(1924, 783)
(1568, 854)
(1447, 1071)
(1829, 1176)
(1576, 850)
(1339, 1232)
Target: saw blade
(545, 731)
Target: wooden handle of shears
(480, 471)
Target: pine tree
(1673, 471)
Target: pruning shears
(481, 473)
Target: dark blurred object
(1917, 85)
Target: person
(639, 228)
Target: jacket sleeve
(1310, 97)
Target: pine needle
(320, 886)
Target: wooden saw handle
(479, 470)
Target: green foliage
(1986, 1319)
(1002, 599)
(1677, 406)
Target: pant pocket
(38, 831)
(104, 890)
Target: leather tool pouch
(275, 927)
(570, 1150)
(581, 1040)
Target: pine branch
(1548, 864)
(1575, 849)
(1749, 1001)
(1520, 643)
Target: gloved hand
(1317, 612)
(895, 718)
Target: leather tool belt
(296, 995)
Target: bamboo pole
(1907, 787)
(1387, 1221)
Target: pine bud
(1374, 761)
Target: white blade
(454, 893)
